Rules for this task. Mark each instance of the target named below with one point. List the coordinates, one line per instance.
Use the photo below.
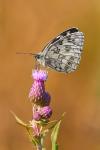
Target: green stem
(41, 145)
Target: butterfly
(63, 53)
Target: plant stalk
(39, 147)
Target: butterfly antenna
(26, 53)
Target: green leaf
(56, 121)
(54, 146)
(31, 137)
(43, 122)
(54, 136)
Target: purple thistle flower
(39, 75)
(37, 93)
(39, 97)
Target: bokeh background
(26, 26)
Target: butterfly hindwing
(63, 53)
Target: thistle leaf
(28, 127)
(33, 139)
(19, 121)
(56, 121)
(54, 136)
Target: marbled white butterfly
(63, 53)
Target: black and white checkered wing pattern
(63, 53)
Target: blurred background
(27, 26)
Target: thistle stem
(39, 147)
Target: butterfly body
(63, 53)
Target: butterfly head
(40, 58)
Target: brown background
(27, 25)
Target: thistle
(40, 124)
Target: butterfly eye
(37, 56)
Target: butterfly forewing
(63, 53)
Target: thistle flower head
(37, 93)
(39, 97)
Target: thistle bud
(45, 112)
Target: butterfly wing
(63, 53)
